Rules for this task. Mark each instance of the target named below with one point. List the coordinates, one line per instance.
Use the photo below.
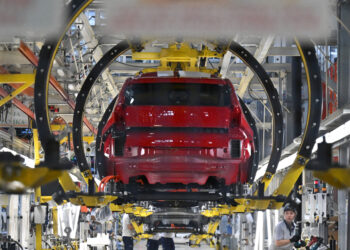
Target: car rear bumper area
(176, 169)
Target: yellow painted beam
(15, 93)
(45, 199)
(92, 201)
(36, 146)
(337, 177)
(28, 177)
(138, 228)
(38, 234)
(55, 221)
(38, 228)
(145, 56)
(197, 238)
(88, 139)
(178, 53)
(129, 208)
(213, 226)
(67, 183)
(57, 127)
(267, 178)
(291, 177)
(17, 78)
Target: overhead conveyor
(307, 53)
(256, 201)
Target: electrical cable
(47, 244)
(136, 66)
(17, 243)
(343, 24)
(321, 51)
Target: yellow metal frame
(38, 227)
(337, 177)
(27, 80)
(130, 208)
(188, 58)
(37, 146)
(88, 139)
(55, 221)
(67, 183)
(28, 177)
(92, 201)
(83, 199)
(139, 231)
(245, 205)
(197, 238)
(292, 176)
(300, 162)
(178, 53)
(17, 78)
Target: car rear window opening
(169, 94)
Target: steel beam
(25, 220)
(92, 43)
(226, 61)
(18, 104)
(28, 53)
(12, 57)
(283, 51)
(343, 55)
(17, 78)
(13, 220)
(234, 68)
(293, 90)
(13, 94)
(17, 144)
(28, 91)
(343, 100)
(260, 55)
(344, 203)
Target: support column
(293, 91)
(13, 217)
(38, 227)
(25, 225)
(343, 100)
(343, 54)
(294, 117)
(344, 204)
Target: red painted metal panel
(178, 143)
(177, 116)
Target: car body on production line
(186, 130)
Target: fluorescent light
(331, 137)
(335, 135)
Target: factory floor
(179, 245)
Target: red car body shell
(179, 143)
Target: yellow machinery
(179, 56)
(26, 79)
